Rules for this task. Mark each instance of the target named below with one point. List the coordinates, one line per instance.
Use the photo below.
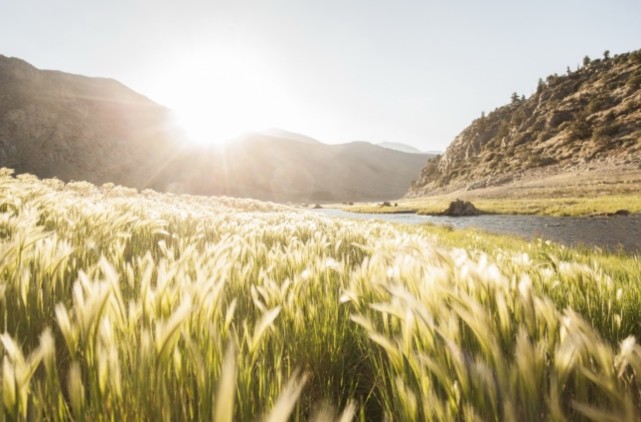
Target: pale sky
(416, 72)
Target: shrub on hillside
(558, 117)
(580, 129)
(540, 161)
(607, 131)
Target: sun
(218, 94)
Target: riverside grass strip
(569, 206)
(119, 305)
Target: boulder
(612, 214)
(621, 212)
(461, 208)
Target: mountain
(586, 119)
(397, 146)
(281, 169)
(73, 127)
(79, 128)
(283, 134)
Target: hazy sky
(415, 72)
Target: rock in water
(461, 208)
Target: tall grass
(119, 305)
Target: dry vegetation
(587, 118)
(118, 305)
(589, 191)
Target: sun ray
(219, 94)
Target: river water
(604, 232)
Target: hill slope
(587, 119)
(399, 147)
(75, 127)
(283, 134)
(54, 124)
(280, 169)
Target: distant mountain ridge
(400, 147)
(281, 169)
(590, 117)
(283, 134)
(396, 146)
(72, 127)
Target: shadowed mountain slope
(270, 168)
(55, 124)
(75, 127)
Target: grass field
(119, 305)
(578, 193)
(554, 206)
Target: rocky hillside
(589, 117)
(79, 128)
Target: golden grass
(118, 305)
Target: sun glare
(219, 95)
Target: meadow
(568, 193)
(566, 206)
(125, 305)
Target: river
(604, 232)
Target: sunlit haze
(415, 72)
(218, 93)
